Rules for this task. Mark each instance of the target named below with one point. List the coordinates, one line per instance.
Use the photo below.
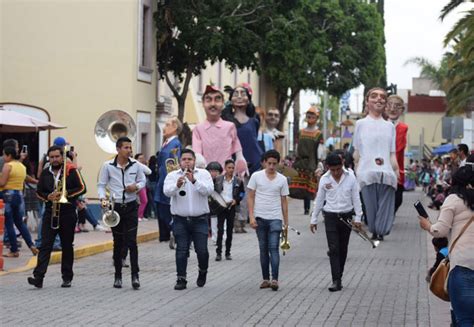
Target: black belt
(204, 216)
(345, 215)
(126, 204)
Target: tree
(322, 45)
(429, 70)
(192, 33)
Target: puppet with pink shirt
(216, 139)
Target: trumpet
(110, 217)
(60, 187)
(182, 191)
(285, 245)
(362, 233)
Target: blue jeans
(461, 293)
(186, 230)
(268, 233)
(14, 212)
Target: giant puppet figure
(304, 185)
(394, 109)
(241, 112)
(272, 119)
(216, 139)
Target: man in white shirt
(338, 198)
(376, 164)
(123, 177)
(268, 212)
(463, 154)
(189, 189)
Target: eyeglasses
(273, 114)
(239, 94)
(395, 106)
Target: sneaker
(274, 285)
(201, 280)
(180, 284)
(100, 228)
(265, 284)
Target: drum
(217, 203)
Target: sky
(412, 29)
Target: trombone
(60, 187)
(362, 233)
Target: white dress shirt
(340, 197)
(195, 202)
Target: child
(441, 247)
(437, 198)
(215, 169)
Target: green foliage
(323, 45)
(190, 33)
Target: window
(145, 41)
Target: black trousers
(125, 236)
(228, 217)
(67, 223)
(337, 234)
(399, 196)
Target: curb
(81, 252)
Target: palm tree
(453, 4)
(431, 71)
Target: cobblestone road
(382, 287)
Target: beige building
(72, 61)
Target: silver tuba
(112, 125)
(110, 217)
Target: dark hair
(271, 154)
(440, 242)
(333, 159)
(10, 151)
(56, 148)
(229, 161)
(214, 165)
(461, 179)
(137, 155)
(122, 140)
(188, 151)
(463, 148)
(10, 143)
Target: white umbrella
(15, 122)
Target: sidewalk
(85, 244)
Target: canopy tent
(442, 149)
(15, 122)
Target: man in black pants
(338, 198)
(63, 215)
(124, 178)
(231, 189)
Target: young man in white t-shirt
(268, 212)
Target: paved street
(382, 287)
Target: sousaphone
(111, 126)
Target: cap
(313, 110)
(212, 89)
(59, 141)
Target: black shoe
(306, 212)
(228, 257)
(135, 282)
(374, 237)
(180, 284)
(124, 263)
(336, 286)
(36, 282)
(201, 281)
(218, 257)
(66, 283)
(118, 282)
(380, 237)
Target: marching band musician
(189, 188)
(124, 178)
(49, 192)
(338, 198)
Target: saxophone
(61, 188)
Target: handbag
(439, 279)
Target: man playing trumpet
(124, 178)
(50, 190)
(338, 198)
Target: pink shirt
(216, 142)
